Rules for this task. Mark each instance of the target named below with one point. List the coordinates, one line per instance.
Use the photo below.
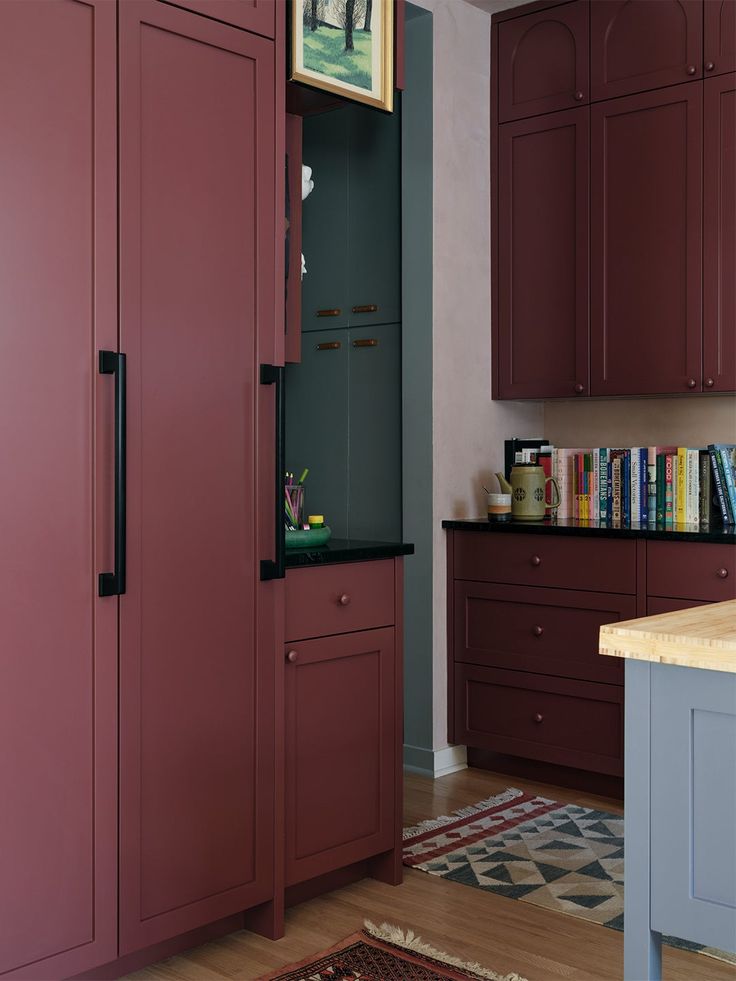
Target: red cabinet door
(258, 16)
(543, 256)
(58, 639)
(198, 170)
(719, 43)
(646, 243)
(637, 45)
(340, 751)
(719, 234)
(543, 61)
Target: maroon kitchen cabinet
(636, 45)
(258, 16)
(343, 711)
(646, 243)
(58, 643)
(543, 225)
(198, 179)
(543, 61)
(719, 233)
(719, 43)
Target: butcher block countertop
(700, 637)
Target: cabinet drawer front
(572, 723)
(539, 560)
(542, 630)
(338, 599)
(692, 571)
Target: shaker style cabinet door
(646, 243)
(543, 61)
(58, 638)
(637, 45)
(258, 16)
(719, 235)
(340, 732)
(719, 45)
(543, 257)
(198, 173)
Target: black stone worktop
(594, 529)
(345, 550)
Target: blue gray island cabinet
(680, 777)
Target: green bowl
(307, 539)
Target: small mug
(499, 507)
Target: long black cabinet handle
(113, 583)
(276, 569)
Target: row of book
(643, 485)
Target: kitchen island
(680, 778)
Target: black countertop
(345, 550)
(594, 529)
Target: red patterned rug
(384, 953)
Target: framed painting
(345, 47)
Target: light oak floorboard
(503, 934)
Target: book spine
(643, 487)
(669, 465)
(594, 484)
(718, 481)
(730, 482)
(681, 508)
(603, 486)
(660, 511)
(705, 496)
(635, 490)
(651, 484)
(616, 489)
(545, 462)
(609, 488)
(626, 488)
(693, 486)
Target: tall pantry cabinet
(163, 176)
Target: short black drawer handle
(538, 631)
(722, 573)
(536, 560)
(538, 717)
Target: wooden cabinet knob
(578, 96)
(691, 383)
(709, 383)
(292, 657)
(538, 631)
(722, 573)
(579, 388)
(691, 69)
(538, 717)
(344, 600)
(536, 560)
(709, 66)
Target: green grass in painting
(324, 51)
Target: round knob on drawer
(709, 66)
(538, 631)
(691, 69)
(722, 573)
(344, 600)
(536, 560)
(691, 383)
(578, 96)
(292, 656)
(538, 717)
(709, 383)
(579, 388)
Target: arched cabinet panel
(636, 45)
(719, 43)
(543, 61)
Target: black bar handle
(113, 583)
(272, 374)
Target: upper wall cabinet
(719, 48)
(543, 265)
(637, 45)
(543, 61)
(646, 217)
(258, 16)
(719, 243)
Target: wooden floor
(503, 934)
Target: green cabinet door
(317, 425)
(325, 221)
(374, 217)
(374, 505)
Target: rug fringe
(434, 824)
(408, 940)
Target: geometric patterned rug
(563, 857)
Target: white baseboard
(435, 763)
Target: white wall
(469, 429)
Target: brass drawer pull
(329, 313)
(329, 346)
(366, 342)
(366, 308)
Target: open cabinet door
(197, 252)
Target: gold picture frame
(322, 58)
